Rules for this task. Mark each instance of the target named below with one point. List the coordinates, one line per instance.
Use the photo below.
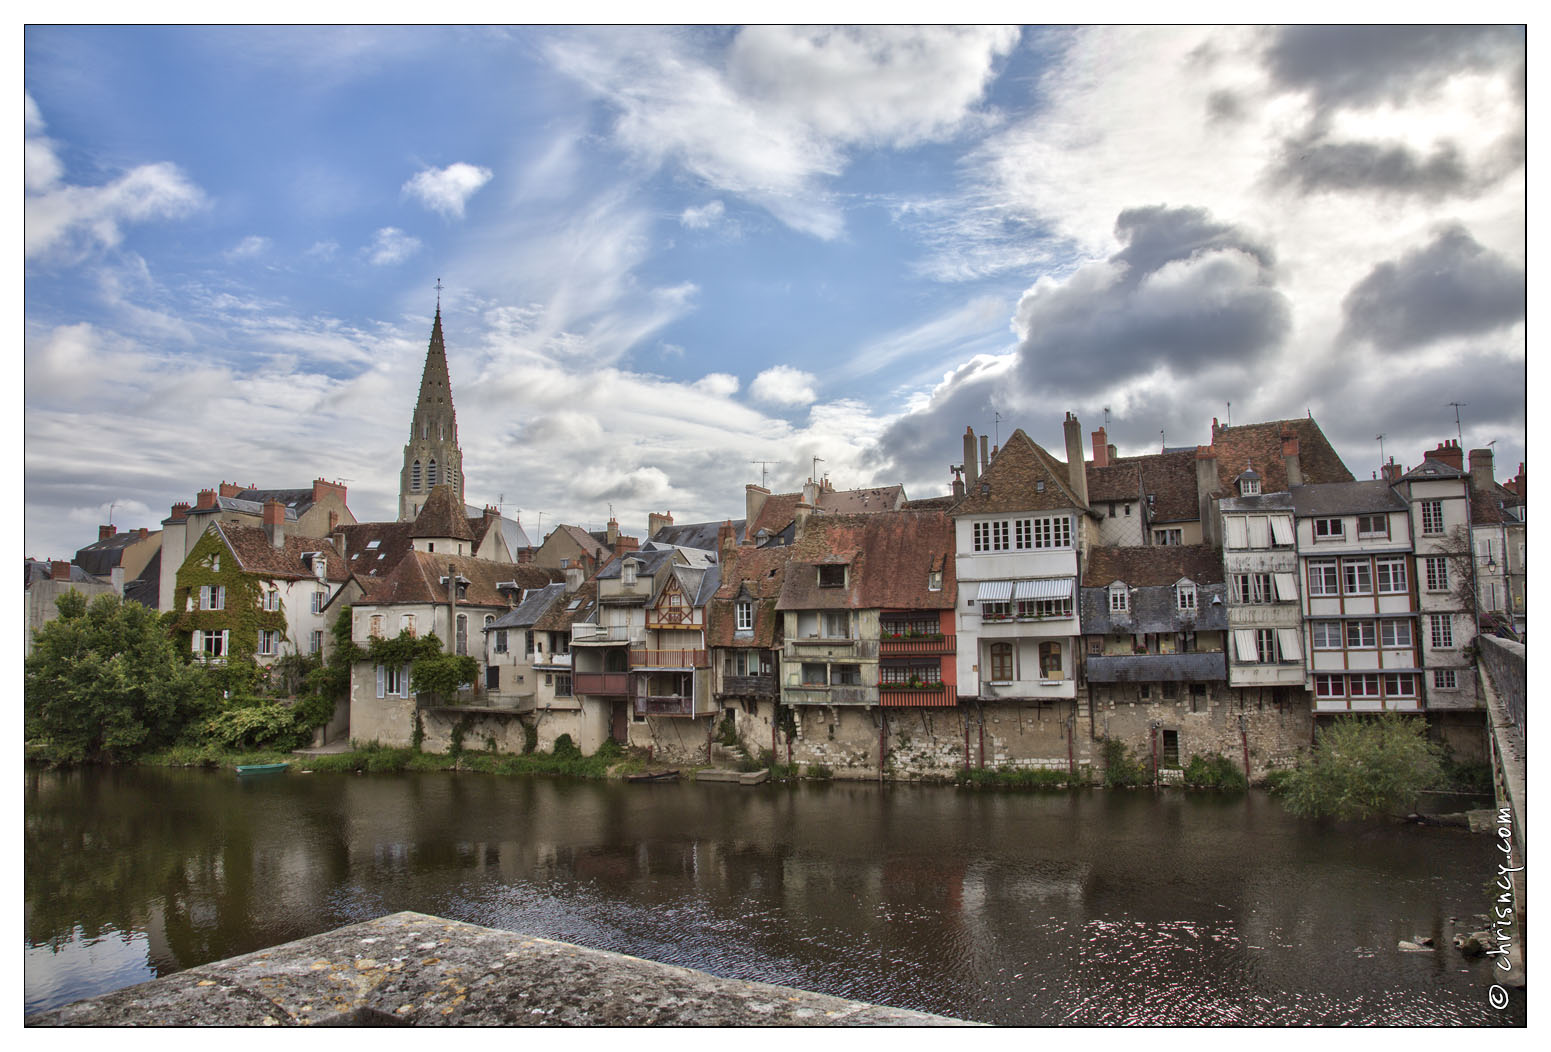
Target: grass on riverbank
(377, 759)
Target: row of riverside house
(1204, 599)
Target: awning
(994, 592)
(1044, 588)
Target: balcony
(664, 705)
(605, 635)
(812, 694)
(903, 695)
(605, 683)
(749, 686)
(668, 659)
(891, 646)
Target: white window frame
(1119, 599)
(1441, 631)
(1358, 685)
(1437, 573)
(743, 610)
(319, 600)
(1282, 535)
(1235, 532)
(1185, 596)
(1382, 529)
(1395, 632)
(1324, 577)
(1390, 576)
(1326, 635)
(1329, 529)
(1359, 582)
(1399, 685)
(1328, 685)
(1259, 527)
(1361, 635)
(1432, 517)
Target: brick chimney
(179, 511)
(104, 532)
(613, 532)
(59, 570)
(274, 522)
(1391, 472)
(321, 488)
(726, 540)
(1481, 479)
(206, 499)
(1290, 457)
(958, 484)
(1448, 452)
(144, 532)
(573, 579)
(655, 522)
(971, 463)
(1076, 471)
(1517, 482)
(985, 455)
(1100, 449)
(753, 503)
(230, 489)
(1206, 489)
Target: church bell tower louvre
(432, 457)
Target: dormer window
(832, 575)
(934, 581)
(1185, 596)
(1119, 598)
(744, 611)
(627, 572)
(1249, 482)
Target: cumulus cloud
(1450, 287)
(721, 385)
(391, 245)
(784, 385)
(447, 190)
(71, 222)
(704, 216)
(248, 247)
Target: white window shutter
(1281, 529)
(1259, 532)
(1291, 644)
(1235, 532)
(1286, 587)
(404, 681)
(1244, 641)
(382, 681)
(199, 640)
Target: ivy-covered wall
(244, 614)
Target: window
(1044, 608)
(1249, 487)
(375, 631)
(500, 641)
(1363, 686)
(1395, 633)
(1358, 576)
(1119, 598)
(815, 674)
(562, 684)
(1373, 525)
(1282, 531)
(430, 475)
(1322, 577)
(934, 581)
(1437, 573)
(390, 680)
(212, 597)
(1432, 516)
(1128, 510)
(1168, 537)
(1022, 533)
(1329, 530)
(1392, 574)
(1259, 531)
(1360, 635)
(1445, 679)
(315, 643)
(527, 644)
(846, 676)
(1265, 645)
(319, 600)
(463, 634)
(832, 575)
(489, 620)
(1252, 588)
(1399, 685)
(1112, 511)
(1050, 659)
(1286, 587)
(1001, 662)
(836, 624)
(1235, 532)
(995, 611)
(990, 536)
(407, 623)
(1185, 596)
(1325, 634)
(268, 642)
(627, 573)
(271, 599)
(744, 611)
(492, 677)
(215, 563)
(414, 477)
(1326, 686)
(211, 644)
(1442, 626)
(1054, 531)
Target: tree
(105, 682)
(1364, 766)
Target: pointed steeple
(432, 458)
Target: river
(1017, 908)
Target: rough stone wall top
(410, 969)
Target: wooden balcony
(668, 659)
(891, 646)
(606, 683)
(902, 695)
(749, 686)
(664, 705)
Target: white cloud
(73, 221)
(447, 190)
(391, 245)
(702, 217)
(722, 385)
(324, 250)
(248, 247)
(784, 385)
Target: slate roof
(1157, 564)
(561, 616)
(100, 558)
(533, 606)
(1011, 481)
(256, 507)
(146, 589)
(1433, 468)
(1260, 445)
(1263, 502)
(1345, 498)
(1154, 608)
(759, 573)
(1195, 667)
(393, 542)
(650, 562)
(442, 516)
(418, 579)
(696, 534)
(516, 537)
(38, 570)
(890, 555)
(256, 555)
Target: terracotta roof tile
(1119, 481)
(889, 554)
(256, 555)
(1153, 565)
(1012, 481)
(368, 560)
(758, 573)
(578, 606)
(418, 579)
(778, 510)
(1260, 445)
(442, 516)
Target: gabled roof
(1022, 476)
(38, 570)
(442, 516)
(775, 514)
(533, 606)
(511, 530)
(1346, 498)
(1488, 509)
(758, 574)
(1167, 478)
(100, 558)
(650, 562)
(1153, 565)
(1260, 446)
(418, 578)
(1120, 481)
(696, 534)
(931, 503)
(589, 544)
(256, 555)
(890, 556)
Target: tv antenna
(1106, 418)
(764, 466)
(1230, 414)
(1381, 451)
(816, 462)
(998, 423)
(1457, 432)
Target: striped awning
(994, 592)
(1045, 588)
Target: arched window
(1049, 658)
(430, 479)
(1001, 662)
(414, 477)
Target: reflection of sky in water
(85, 967)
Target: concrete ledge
(410, 969)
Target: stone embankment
(410, 969)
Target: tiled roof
(1169, 479)
(1260, 446)
(533, 606)
(256, 555)
(758, 573)
(856, 501)
(1486, 509)
(442, 516)
(516, 537)
(580, 605)
(931, 503)
(1157, 564)
(418, 579)
(1012, 481)
(1115, 482)
(373, 549)
(696, 534)
(585, 541)
(890, 556)
(1345, 498)
(776, 513)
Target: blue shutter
(404, 681)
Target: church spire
(432, 457)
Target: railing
(668, 659)
(664, 705)
(935, 644)
(600, 682)
(764, 686)
(604, 634)
(813, 694)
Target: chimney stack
(1391, 472)
(801, 514)
(1448, 452)
(230, 489)
(1290, 457)
(179, 511)
(655, 522)
(274, 522)
(985, 456)
(971, 464)
(321, 488)
(206, 499)
(726, 540)
(1481, 479)
(1206, 490)
(59, 570)
(145, 531)
(104, 532)
(1100, 448)
(573, 579)
(958, 486)
(613, 532)
(1076, 471)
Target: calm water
(1092, 907)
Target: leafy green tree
(441, 675)
(1362, 767)
(105, 682)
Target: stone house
(45, 582)
(743, 633)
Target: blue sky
(669, 253)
